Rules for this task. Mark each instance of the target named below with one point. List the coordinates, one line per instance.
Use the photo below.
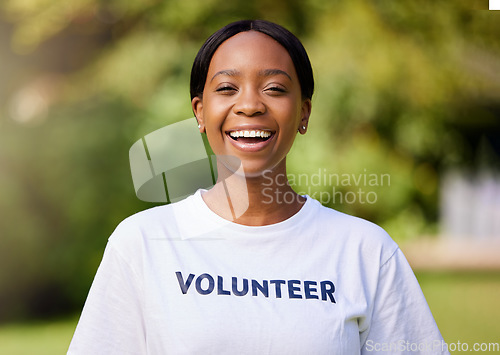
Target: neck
(258, 200)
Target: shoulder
(355, 234)
(135, 231)
(145, 220)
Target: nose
(249, 104)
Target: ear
(305, 112)
(197, 106)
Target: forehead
(251, 50)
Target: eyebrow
(229, 72)
(271, 72)
(265, 72)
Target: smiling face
(252, 105)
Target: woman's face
(252, 105)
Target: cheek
(290, 115)
(215, 112)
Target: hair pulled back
(284, 37)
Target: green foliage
(400, 86)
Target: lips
(250, 140)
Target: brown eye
(275, 90)
(226, 89)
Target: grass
(40, 338)
(465, 306)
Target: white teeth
(262, 134)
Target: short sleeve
(111, 320)
(401, 322)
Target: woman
(233, 271)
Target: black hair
(280, 34)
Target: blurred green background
(410, 89)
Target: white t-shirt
(179, 279)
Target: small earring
(303, 127)
(199, 126)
